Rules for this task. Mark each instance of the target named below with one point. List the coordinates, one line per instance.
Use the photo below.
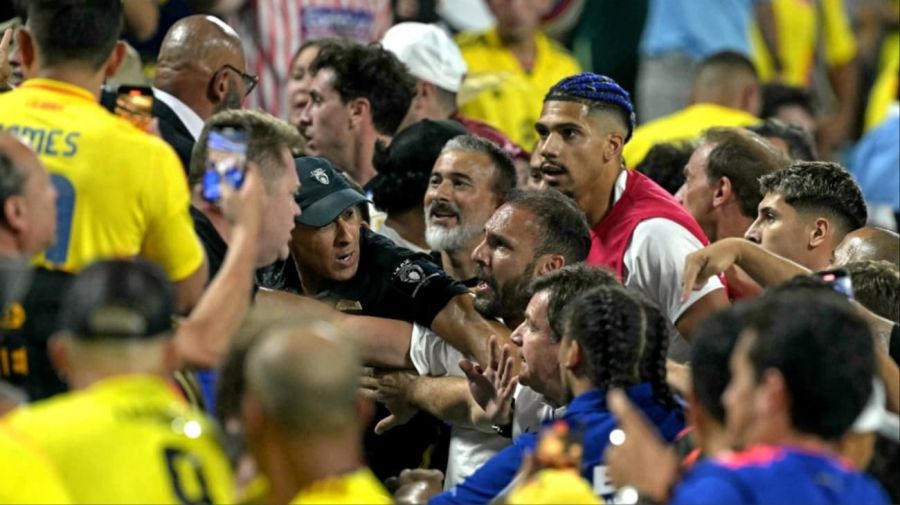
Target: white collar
(191, 120)
(619, 188)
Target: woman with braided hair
(614, 338)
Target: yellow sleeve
(840, 44)
(170, 240)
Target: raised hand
(493, 388)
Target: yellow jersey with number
(128, 439)
(357, 487)
(26, 475)
(500, 92)
(121, 192)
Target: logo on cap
(320, 175)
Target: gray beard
(442, 239)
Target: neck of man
(76, 75)
(459, 263)
(312, 283)
(731, 223)
(185, 88)
(579, 384)
(597, 202)
(712, 438)
(215, 218)
(362, 168)
(292, 466)
(523, 47)
(11, 247)
(410, 225)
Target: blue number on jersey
(65, 211)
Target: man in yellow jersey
(121, 191)
(725, 92)
(511, 68)
(124, 436)
(303, 417)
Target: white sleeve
(432, 355)
(654, 262)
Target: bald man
(868, 243)
(27, 202)
(200, 71)
(303, 417)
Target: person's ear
(218, 87)
(722, 192)
(614, 146)
(360, 111)
(25, 46)
(575, 355)
(58, 353)
(751, 98)
(115, 59)
(818, 235)
(15, 213)
(550, 263)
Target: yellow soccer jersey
(26, 475)
(686, 124)
(129, 439)
(354, 488)
(800, 24)
(121, 191)
(503, 94)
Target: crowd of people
(449, 270)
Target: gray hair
(504, 169)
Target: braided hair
(625, 338)
(598, 92)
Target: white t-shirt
(469, 448)
(654, 261)
(531, 411)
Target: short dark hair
(743, 157)
(373, 73)
(731, 60)
(664, 164)
(565, 285)
(625, 338)
(75, 30)
(876, 285)
(820, 186)
(504, 168)
(268, 135)
(801, 145)
(12, 182)
(711, 345)
(776, 96)
(822, 348)
(563, 227)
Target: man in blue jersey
(801, 373)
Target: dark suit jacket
(174, 132)
(171, 128)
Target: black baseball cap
(118, 299)
(324, 193)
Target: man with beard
(121, 192)
(638, 230)
(530, 235)
(469, 181)
(200, 71)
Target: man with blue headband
(638, 230)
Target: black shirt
(25, 328)
(212, 242)
(391, 282)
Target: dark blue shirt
(586, 414)
(768, 474)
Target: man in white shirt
(532, 234)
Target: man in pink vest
(638, 229)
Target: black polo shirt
(391, 282)
(25, 327)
